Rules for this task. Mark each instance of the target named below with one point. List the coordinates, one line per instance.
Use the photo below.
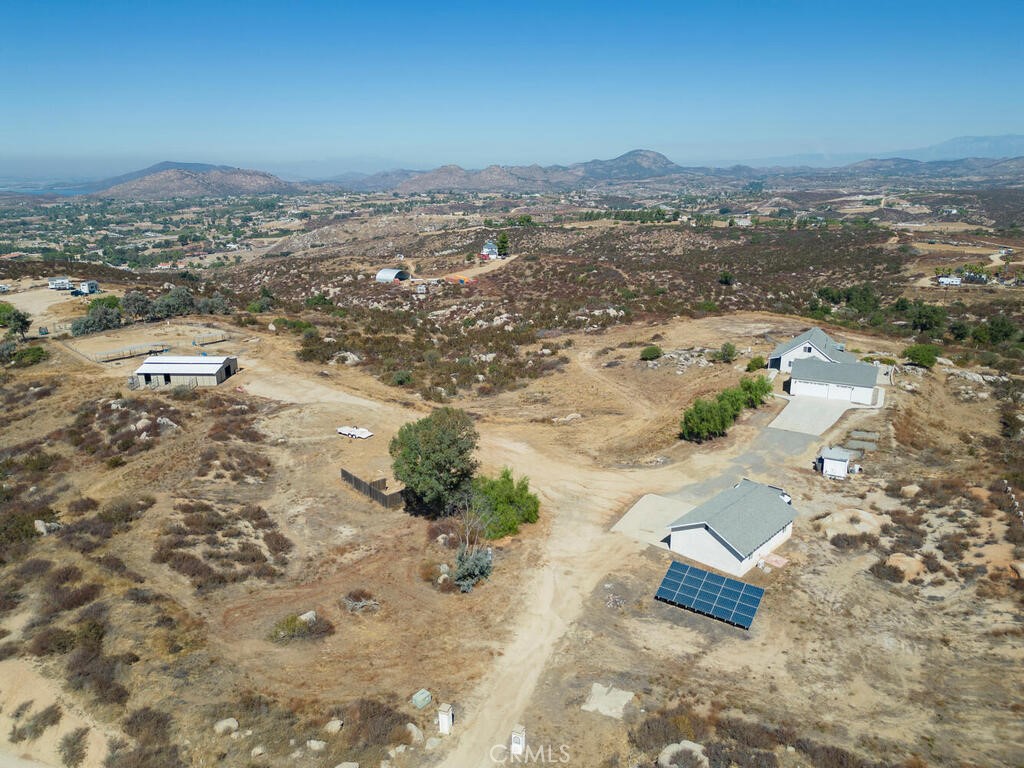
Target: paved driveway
(648, 519)
(810, 415)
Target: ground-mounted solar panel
(719, 597)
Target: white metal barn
(813, 343)
(174, 370)
(835, 462)
(734, 530)
(850, 382)
(392, 275)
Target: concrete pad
(647, 521)
(810, 415)
(607, 701)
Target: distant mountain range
(641, 166)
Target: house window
(807, 348)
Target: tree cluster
(707, 419)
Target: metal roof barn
(191, 370)
(392, 275)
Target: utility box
(421, 698)
(517, 746)
(445, 719)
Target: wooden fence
(374, 490)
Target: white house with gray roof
(849, 382)
(813, 343)
(734, 530)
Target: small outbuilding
(175, 370)
(490, 251)
(89, 286)
(834, 462)
(737, 528)
(60, 283)
(851, 382)
(812, 343)
(392, 275)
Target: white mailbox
(518, 744)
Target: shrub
(653, 352)
(471, 566)
(33, 728)
(433, 456)
(401, 378)
(370, 723)
(52, 640)
(291, 627)
(924, 355)
(755, 364)
(887, 572)
(509, 503)
(277, 543)
(148, 726)
(27, 356)
(726, 353)
(73, 747)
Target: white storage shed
(834, 462)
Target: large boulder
(415, 734)
(334, 726)
(669, 756)
(910, 491)
(225, 726)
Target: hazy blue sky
(383, 84)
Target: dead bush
(50, 641)
(73, 747)
(827, 756)
(887, 572)
(668, 726)
(721, 755)
(148, 726)
(370, 724)
(33, 728)
(847, 541)
(277, 543)
(33, 568)
(747, 733)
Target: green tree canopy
(925, 355)
(510, 503)
(434, 456)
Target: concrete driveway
(814, 415)
(647, 521)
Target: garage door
(840, 392)
(810, 388)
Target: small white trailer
(360, 433)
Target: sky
(307, 88)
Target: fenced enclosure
(374, 490)
(209, 338)
(135, 350)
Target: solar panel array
(719, 597)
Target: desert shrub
(747, 733)
(148, 726)
(89, 669)
(755, 364)
(844, 541)
(827, 756)
(27, 356)
(471, 566)
(33, 567)
(724, 756)
(401, 378)
(370, 723)
(291, 627)
(726, 353)
(277, 543)
(82, 505)
(668, 726)
(8, 650)
(73, 747)
(63, 599)
(509, 503)
(33, 728)
(886, 572)
(50, 641)
(924, 355)
(652, 352)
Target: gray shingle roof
(825, 344)
(837, 454)
(745, 516)
(848, 374)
